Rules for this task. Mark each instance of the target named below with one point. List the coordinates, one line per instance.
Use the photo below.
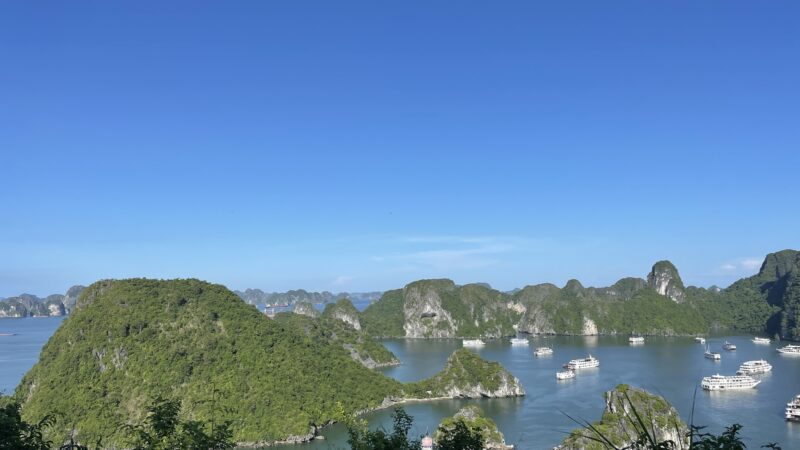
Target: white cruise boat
(636, 340)
(712, 355)
(565, 375)
(793, 409)
(519, 341)
(760, 340)
(728, 383)
(543, 351)
(729, 346)
(700, 339)
(472, 343)
(754, 367)
(583, 363)
(790, 350)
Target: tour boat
(760, 340)
(473, 343)
(754, 367)
(565, 375)
(728, 346)
(701, 340)
(543, 351)
(712, 355)
(583, 363)
(636, 340)
(728, 383)
(8, 334)
(519, 341)
(790, 350)
(793, 409)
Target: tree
(362, 438)
(164, 430)
(16, 434)
(459, 436)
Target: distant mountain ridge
(768, 302)
(259, 297)
(27, 305)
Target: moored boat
(729, 346)
(472, 343)
(728, 383)
(790, 350)
(754, 367)
(712, 355)
(636, 340)
(565, 375)
(700, 339)
(793, 409)
(543, 351)
(760, 340)
(519, 341)
(583, 363)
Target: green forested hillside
(384, 318)
(768, 302)
(361, 347)
(440, 308)
(130, 341)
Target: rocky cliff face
(441, 309)
(71, 297)
(423, 313)
(473, 417)
(620, 425)
(664, 278)
(536, 320)
(345, 311)
(770, 299)
(306, 309)
(466, 375)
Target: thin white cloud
(745, 265)
(342, 280)
(450, 252)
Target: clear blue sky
(360, 146)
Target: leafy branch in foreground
(164, 430)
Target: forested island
(128, 343)
(768, 303)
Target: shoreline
(314, 432)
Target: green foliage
(16, 434)
(164, 430)
(640, 421)
(634, 419)
(768, 302)
(728, 440)
(384, 318)
(475, 309)
(132, 340)
(468, 429)
(362, 438)
(327, 329)
(463, 370)
(459, 435)
(648, 312)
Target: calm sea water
(671, 367)
(20, 352)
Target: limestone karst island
(399, 226)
